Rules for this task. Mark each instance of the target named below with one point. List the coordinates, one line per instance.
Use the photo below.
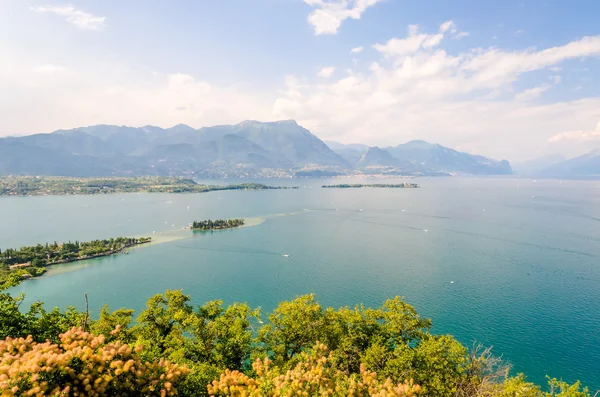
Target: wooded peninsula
(30, 261)
(62, 186)
(403, 185)
(216, 224)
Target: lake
(510, 263)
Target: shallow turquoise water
(524, 256)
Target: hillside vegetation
(301, 348)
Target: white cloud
(494, 67)
(460, 99)
(448, 26)
(329, 14)
(532, 93)
(326, 72)
(120, 94)
(179, 80)
(49, 68)
(79, 18)
(417, 41)
(357, 50)
(581, 136)
(419, 91)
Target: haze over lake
(512, 263)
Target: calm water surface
(524, 256)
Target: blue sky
(508, 79)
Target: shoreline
(101, 255)
(167, 236)
(14, 186)
(27, 271)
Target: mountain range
(247, 149)
(536, 166)
(586, 166)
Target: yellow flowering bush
(82, 364)
(313, 375)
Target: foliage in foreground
(315, 374)
(303, 349)
(82, 364)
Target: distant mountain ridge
(586, 166)
(535, 166)
(420, 158)
(248, 149)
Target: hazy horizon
(515, 80)
(326, 141)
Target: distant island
(218, 224)
(403, 185)
(27, 262)
(52, 186)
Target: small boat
(425, 230)
(285, 255)
(451, 282)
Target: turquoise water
(524, 256)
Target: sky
(510, 79)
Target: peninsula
(218, 224)
(403, 185)
(27, 262)
(55, 186)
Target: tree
(115, 325)
(82, 364)
(162, 325)
(294, 326)
(313, 375)
(371, 351)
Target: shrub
(82, 364)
